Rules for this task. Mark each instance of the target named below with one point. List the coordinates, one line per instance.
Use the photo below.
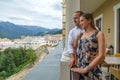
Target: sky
(44, 13)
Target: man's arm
(70, 49)
(70, 42)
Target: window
(98, 22)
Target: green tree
(13, 60)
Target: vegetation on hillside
(13, 60)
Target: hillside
(12, 31)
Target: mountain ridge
(13, 31)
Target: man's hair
(80, 12)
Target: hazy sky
(44, 13)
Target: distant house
(52, 40)
(5, 43)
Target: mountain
(36, 29)
(50, 31)
(12, 31)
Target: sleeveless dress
(87, 48)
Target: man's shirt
(71, 37)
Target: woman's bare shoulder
(100, 34)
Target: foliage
(13, 60)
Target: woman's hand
(79, 70)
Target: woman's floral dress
(87, 48)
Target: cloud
(45, 13)
(56, 6)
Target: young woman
(91, 50)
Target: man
(72, 35)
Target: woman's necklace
(87, 34)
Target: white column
(71, 7)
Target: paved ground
(49, 68)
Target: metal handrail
(74, 75)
